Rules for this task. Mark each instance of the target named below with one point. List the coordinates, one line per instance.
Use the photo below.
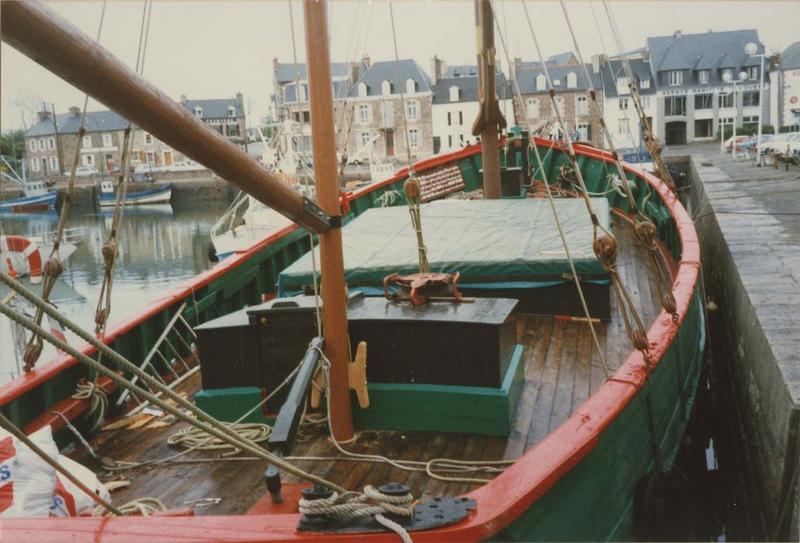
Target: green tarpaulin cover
(513, 242)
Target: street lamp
(742, 77)
(751, 50)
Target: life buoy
(29, 249)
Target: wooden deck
(562, 369)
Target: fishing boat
(510, 403)
(36, 197)
(160, 194)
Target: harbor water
(158, 249)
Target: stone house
(785, 90)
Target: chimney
(75, 111)
(677, 34)
(597, 62)
(365, 61)
(43, 115)
(517, 63)
(275, 64)
(354, 72)
(437, 65)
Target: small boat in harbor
(160, 194)
(36, 198)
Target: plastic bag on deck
(68, 499)
(26, 481)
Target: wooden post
(39, 33)
(489, 121)
(334, 297)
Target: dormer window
(362, 89)
(301, 93)
(674, 78)
(231, 111)
(411, 86)
(386, 88)
(703, 76)
(198, 111)
(454, 93)
(572, 80)
(644, 83)
(541, 82)
(622, 85)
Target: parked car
(184, 166)
(143, 177)
(82, 171)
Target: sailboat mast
(334, 295)
(489, 121)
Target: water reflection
(158, 249)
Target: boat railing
(176, 344)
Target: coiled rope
(354, 506)
(143, 507)
(194, 438)
(98, 401)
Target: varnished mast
(39, 33)
(334, 296)
(489, 121)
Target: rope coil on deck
(98, 401)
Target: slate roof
(468, 89)
(790, 58)
(214, 108)
(96, 121)
(614, 68)
(561, 58)
(286, 72)
(341, 87)
(526, 78)
(463, 70)
(388, 70)
(705, 51)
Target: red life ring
(19, 244)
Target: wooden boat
(36, 198)
(581, 444)
(160, 194)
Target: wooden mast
(489, 121)
(334, 296)
(40, 34)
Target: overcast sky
(213, 49)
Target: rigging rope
(53, 266)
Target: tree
(12, 144)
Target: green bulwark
(228, 404)
(440, 408)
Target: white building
(456, 106)
(785, 90)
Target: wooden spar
(489, 121)
(334, 295)
(39, 33)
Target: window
(752, 119)
(151, 157)
(107, 140)
(644, 83)
(703, 101)
(560, 106)
(87, 160)
(413, 138)
(675, 105)
(583, 132)
(541, 82)
(148, 138)
(461, 118)
(231, 111)
(622, 85)
(572, 80)
(198, 111)
(727, 74)
(307, 116)
(42, 144)
(35, 164)
(364, 113)
(386, 88)
(51, 143)
(532, 105)
(411, 86)
(449, 121)
(750, 98)
(622, 127)
(450, 141)
(725, 100)
(53, 163)
(363, 138)
(301, 93)
(582, 107)
(645, 100)
(388, 114)
(454, 94)
(703, 128)
(233, 130)
(752, 73)
(362, 89)
(703, 76)
(32, 145)
(412, 110)
(674, 78)
(87, 142)
(623, 104)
